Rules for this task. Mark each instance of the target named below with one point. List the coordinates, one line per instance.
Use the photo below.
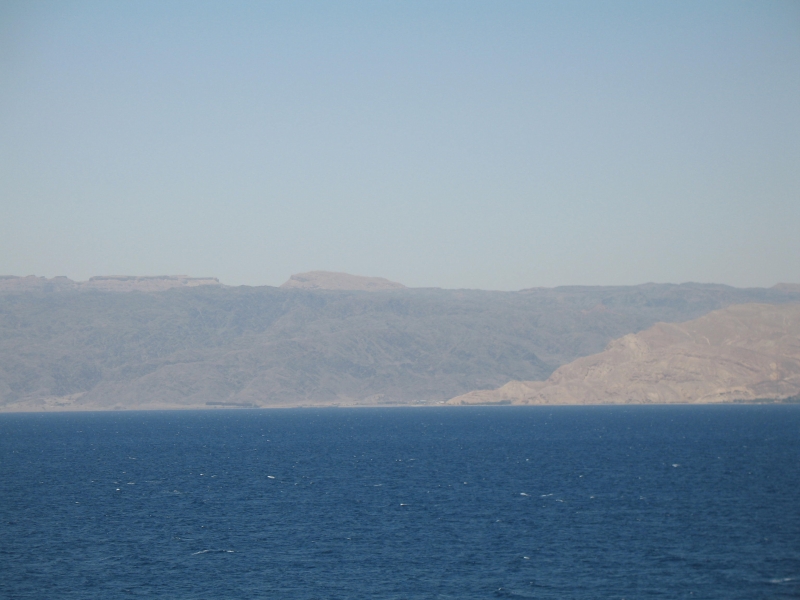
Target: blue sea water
(494, 502)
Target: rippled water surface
(503, 502)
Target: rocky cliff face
(740, 353)
(325, 280)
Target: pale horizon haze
(492, 145)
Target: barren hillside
(740, 353)
(69, 346)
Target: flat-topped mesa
(157, 283)
(106, 283)
(326, 280)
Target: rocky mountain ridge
(76, 347)
(743, 352)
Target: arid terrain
(746, 352)
(179, 342)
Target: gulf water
(495, 502)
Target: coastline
(213, 408)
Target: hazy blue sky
(496, 145)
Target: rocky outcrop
(325, 280)
(741, 353)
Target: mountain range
(177, 342)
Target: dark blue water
(590, 502)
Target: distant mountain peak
(327, 280)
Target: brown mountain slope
(744, 352)
(68, 346)
(325, 280)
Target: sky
(493, 145)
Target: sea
(628, 502)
